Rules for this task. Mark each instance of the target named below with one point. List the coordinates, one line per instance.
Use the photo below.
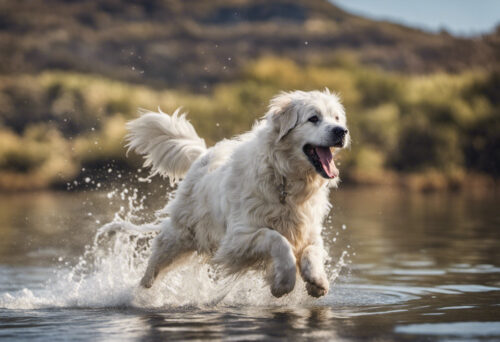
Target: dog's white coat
(228, 204)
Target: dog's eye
(313, 119)
(337, 118)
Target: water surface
(405, 266)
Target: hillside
(195, 43)
(423, 109)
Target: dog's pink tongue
(327, 162)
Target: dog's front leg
(243, 246)
(312, 269)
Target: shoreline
(424, 182)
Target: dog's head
(311, 126)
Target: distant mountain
(196, 43)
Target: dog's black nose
(338, 136)
(339, 132)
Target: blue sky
(460, 17)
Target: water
(405, 266)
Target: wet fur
(228, 204)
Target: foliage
(54, 123)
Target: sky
(459, 17)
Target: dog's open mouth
(321, 158)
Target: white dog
(256, 200)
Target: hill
(195, 43)
(423, 109)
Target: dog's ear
(282, 115)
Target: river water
(404, 266)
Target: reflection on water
(404, 266)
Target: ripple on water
(466, 268)
(358, 295)
(468, 288)
(462, 329)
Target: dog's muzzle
(321, 157)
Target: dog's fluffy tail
(169, 143)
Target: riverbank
(108, 178)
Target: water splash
(108, 273)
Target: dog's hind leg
(170, 247)
(244, 247)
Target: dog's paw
(283, 282)
(317, 286)
(315, 290)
